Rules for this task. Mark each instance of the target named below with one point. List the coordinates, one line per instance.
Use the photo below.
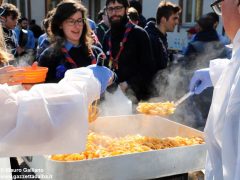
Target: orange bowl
(33, 75)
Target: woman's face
(73, 27)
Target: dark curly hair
(125, 3)
(63, 11)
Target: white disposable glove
(200, 81)
(103, 74)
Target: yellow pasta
(163, 109)
(99, 146)
(93, 112)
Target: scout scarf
(61, 69)
(113, 62)
(72, 62)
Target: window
(12, 2)
(50, 4)
(192, 11)
(198, 9)
(22, 8)
(188, 11)
(97, 7)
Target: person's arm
(49, 118)
(8, 75)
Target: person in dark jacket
(138, 6)
(102, 26)
(44, 39)
(167, 17)
(206, 41)
(36, 29)
(223, 38)
(204, 47)
(71, 41)
(128, 50)
(133, 15)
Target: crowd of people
(124, 45)
(136, 49)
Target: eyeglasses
(73, 22)
(116, 9)
(216, 6)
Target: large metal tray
(147, 165)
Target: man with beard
(128, 51)
(167, 17)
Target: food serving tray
(145, 165)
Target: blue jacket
(29, 42)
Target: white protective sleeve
(216, 67)
(5, 173)
(49, 118)
(222, 129)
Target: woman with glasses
(71, 41)
(222, 130)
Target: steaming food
(160, 108)
(93, 112)
(99, 146)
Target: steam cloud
(172, 83)
(24, 60)
(115, 104)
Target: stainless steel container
(147, 165)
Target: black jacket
(136, 65)
(142, 21)
(101, 30)
(204, 47)
(159, 46)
